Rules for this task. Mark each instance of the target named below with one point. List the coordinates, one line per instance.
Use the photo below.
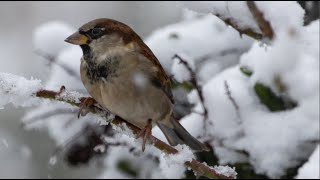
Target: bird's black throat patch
(87, 53)
(101, 72)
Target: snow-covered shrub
(259, 77)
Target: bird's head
(100, 34)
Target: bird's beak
(77, 39)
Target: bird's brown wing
(160, 78)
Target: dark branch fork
(263, 24)
(199, 168)
(196, 85)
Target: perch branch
(199, 168)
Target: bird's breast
(125, 89)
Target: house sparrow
(123, 75)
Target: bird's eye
(96, 31)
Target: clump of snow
(226, 171)
(277, 60)
(52, 161)
(172, 165)
(238, 12)
(101, 148)
(310, 170)
(282, 15)
(205, 40)
(66, 70)
(18, 90)
(309, 39)
(124, 129)
(49, 37)
(259, 131)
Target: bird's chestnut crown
(100, 27)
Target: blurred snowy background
(18, 22)
(267, 137)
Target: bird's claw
(145, 134)
(85, 105)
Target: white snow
(50, 36)
(100, 148)
(260, 132)
(180, 71)
(282, 15)
(18, 90)
(236, 11)
(310, 170)
(205, 40)
(52, 160)
(172, 166)
(226, 171)
(69, 58)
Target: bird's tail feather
(177, 134)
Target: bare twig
(47, 115)
(248, 31)
(53, 60)
(233, 101)
(207, 57)
(263, 24)
(199, 168)
(197, 87)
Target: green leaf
(246, 71)
(271, 100)
(126, 167)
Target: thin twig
(199, 168)
(53, 60)
(47, 115)
(248, 31)
(233, 101)
(263, 24)
(203, 59)
(197, 87)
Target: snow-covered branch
(20, 91)
(255, 19)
